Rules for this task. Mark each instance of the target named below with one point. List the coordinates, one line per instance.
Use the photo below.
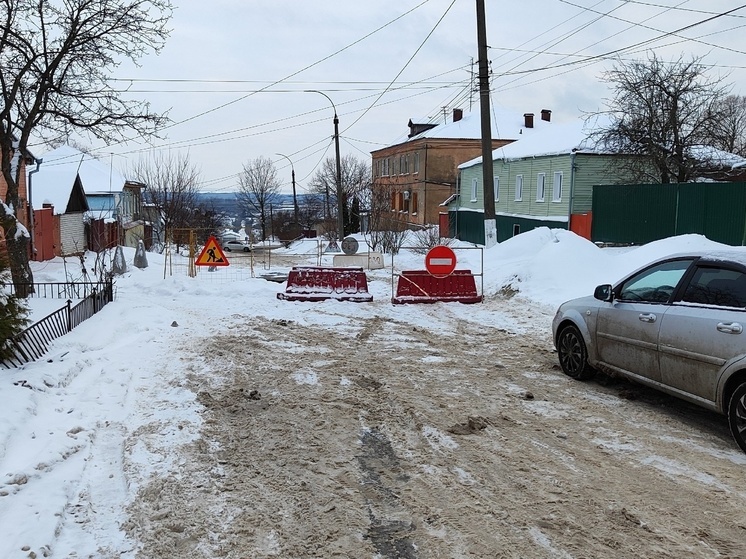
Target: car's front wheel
(573, 354)
(737, 415)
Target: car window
(717, 286)
(655, 284)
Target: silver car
(236, 245)
(676, 325)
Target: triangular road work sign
(211, 255)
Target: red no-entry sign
(440, 261)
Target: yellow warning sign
(212, 255)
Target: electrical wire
(404, 67)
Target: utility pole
(295, 200)
(340, 194)
(488, 190)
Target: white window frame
(496, 187)
(519, 188)
(416, 162)
(474, 185)
(541, 186)
(557, 187)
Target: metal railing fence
(34, 341)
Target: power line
(405, 65)
(628, 47)
(639, 24)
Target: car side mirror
(604, 293)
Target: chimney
(528, 120)
(458, 114)
(546, 114)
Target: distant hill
(227, 202)
(224, 202)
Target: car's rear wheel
(573, 354)
(737, 415)
(246, 249)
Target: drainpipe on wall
(572, 190)
(31, 206)
(424, 191)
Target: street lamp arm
(286, 157)
(340, 194)
(325, 95)
(295, 199)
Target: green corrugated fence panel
(469, 226)
(633, 214)
(715, 210)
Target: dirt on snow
(373, 438)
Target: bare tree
(729, 134)
(311, 210)
(258, 187)
(386, 229)
(54, 63)
(661, 115)
(206, 220)
(171, 185)
(356, 183)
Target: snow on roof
(507, 124)
(56, 177)
(575, 137)
(555, 139)
(718, 158)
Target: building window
(386, 167)
(414, 203)
(417, 162)
(496, 187)
(473, 190)
(518, 188)
(557, 187)
(540, 186)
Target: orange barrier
(419, 286)
(309, 283)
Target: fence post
(69, 316)
(95, 301)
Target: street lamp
(340, 201)
(295, 200)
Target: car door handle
(730, 327)
(648, 317)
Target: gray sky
(233, 72)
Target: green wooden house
(544, 179)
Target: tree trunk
(20, 270)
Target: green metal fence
(641, 213)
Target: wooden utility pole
(490, 227)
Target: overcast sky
(233, 72)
